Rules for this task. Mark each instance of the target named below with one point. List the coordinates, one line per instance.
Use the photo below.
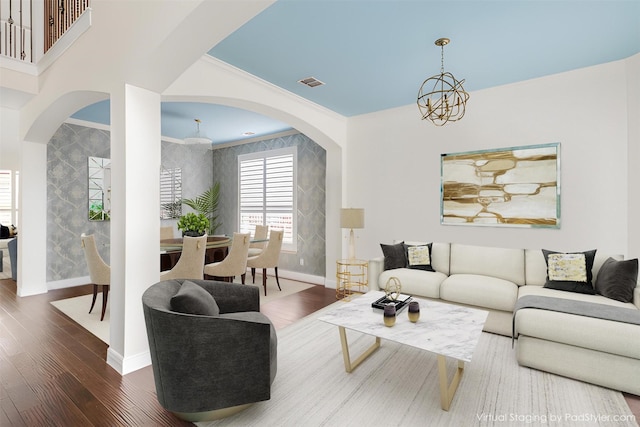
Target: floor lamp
(352, 218)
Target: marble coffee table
(444, 329)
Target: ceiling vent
(311, 82)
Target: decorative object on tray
(400, 303)
(392, 288)
(414, 311)
(389, 315)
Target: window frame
(12, 185)
(290, 243)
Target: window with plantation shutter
(267, 184)
(8, 197)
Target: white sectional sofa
(594, 350)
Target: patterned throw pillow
(567, 267)
(570, 271)
(419, 257)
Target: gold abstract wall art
(513, 187)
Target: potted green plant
(207, 205)
(193, 224)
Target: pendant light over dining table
(197, 138)
(442, 98)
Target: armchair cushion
(193, 299)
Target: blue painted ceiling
(374, 54)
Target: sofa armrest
(636, 296)
(376, 267)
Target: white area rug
(77, 308)
(398, 386)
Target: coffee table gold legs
(349, 366)
(448, 390)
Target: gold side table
(351, 276)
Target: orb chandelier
(442, 98)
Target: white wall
(393, 162)
(633, 156)
(9, 147)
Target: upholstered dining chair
(166, 232)
(190, 265)
(99, 271)
(261, 233)
(235, 263)
(267, 259)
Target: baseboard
(130, 364)
(300, 277)
(286, 274)
(68, 283)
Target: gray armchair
(209, 366)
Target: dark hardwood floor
(53, 372)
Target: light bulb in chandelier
(442, 98)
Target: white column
(135, 221)
(32, 220)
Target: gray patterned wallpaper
(67, 197)
(312, 166)
(67, 200)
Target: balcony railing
(17, 31)
(59, 15)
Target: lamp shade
(352, 218)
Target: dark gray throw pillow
(194, 299)
(570, 271)
(617, 279)
(394, 256)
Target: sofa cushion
(503, 263)
(570, 271)
(394, 256)
(194, 299)
(481, 291)
(419, 256)
(617, 279)
(587, 332)
(415, 282)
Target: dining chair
(235, 263)
(261, 233)
(99, 271)
(166, 233)
(268, 258)
(190, 265)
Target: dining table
(171, 249)
(217, 250)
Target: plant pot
(193, 233)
